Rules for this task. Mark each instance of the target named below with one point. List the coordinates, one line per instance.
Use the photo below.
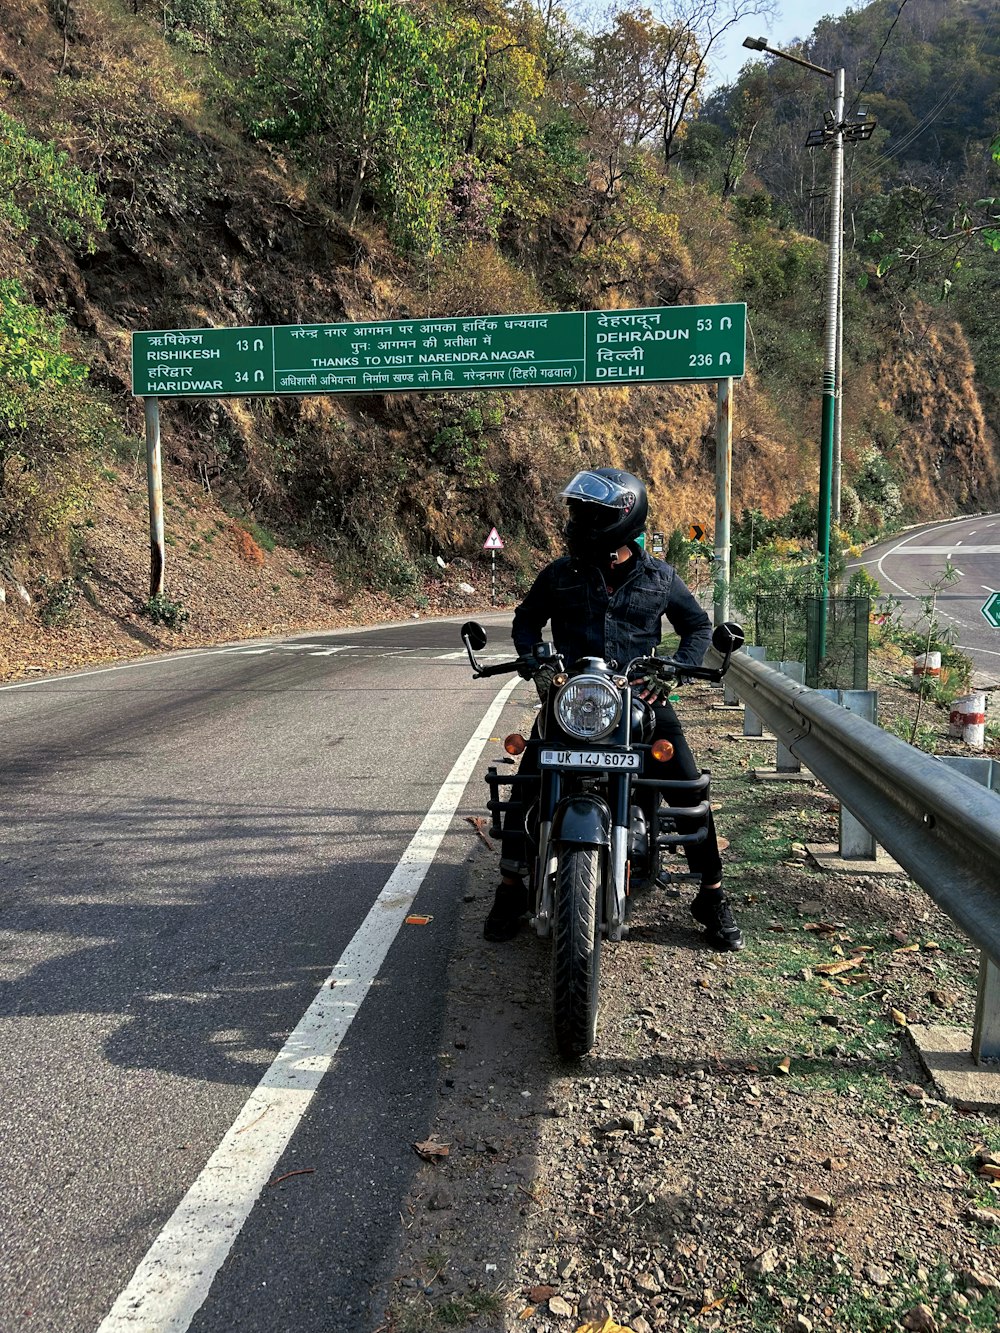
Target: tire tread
(576, 945)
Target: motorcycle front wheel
(576, 949)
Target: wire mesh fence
(789, 626)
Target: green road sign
(991, 610)
(693, 342)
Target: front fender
(582, 819)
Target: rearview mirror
(728, 637)
(474, 635)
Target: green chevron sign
(991, 610)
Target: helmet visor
(596, 490)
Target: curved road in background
(207, 982)
(907, 566)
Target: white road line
(172, 1281)
(130, 666)
(946, 550)
(328, 652)
(924, 532)
(985, 589)
(959, 572)
(449, 657)
(166, 658)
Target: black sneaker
(712, 911)
(509, 906)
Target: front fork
(615, 878)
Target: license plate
(599, 759)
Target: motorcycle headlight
(588, 707)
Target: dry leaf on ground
(835, 969)
(431, 1151)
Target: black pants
(702, 857)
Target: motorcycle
(596, 814)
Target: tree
(724, 136)
(695, 27)
(623, 108)
(384, 91)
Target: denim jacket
(588, 621)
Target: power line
(893, 149)
(878, 57)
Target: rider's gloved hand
(543, 680)
(652, 686)
(528, 666)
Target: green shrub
(862, 584)
(163, 610)
(57, 601)
(38, 183)
(461, 440)
(877, 486)
(260, 535)
(30, 354)
(678, 551)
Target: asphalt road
(908, 567)
(189, 845)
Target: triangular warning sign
(493, 542)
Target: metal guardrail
(942, 827)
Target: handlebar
(726, 639)
(664, 665)
(669, 669)
(501, 668)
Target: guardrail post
(752, 725)
(986, 1033)
(785, 761)
(986, 1030)
(984, 771)
(856, 843)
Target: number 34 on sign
(493, 542)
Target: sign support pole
(723, 491)
(493, 572)
(154, 487)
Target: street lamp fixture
(761, 44)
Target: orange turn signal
(662, 751)
(516, 744)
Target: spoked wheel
(576, 949)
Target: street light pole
(830, 356)
(834, 135)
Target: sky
(795, 18)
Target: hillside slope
(363, 497)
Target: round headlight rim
(590, 678)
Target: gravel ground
(752, 1143)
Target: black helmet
(607, 508)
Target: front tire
(576, 949)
